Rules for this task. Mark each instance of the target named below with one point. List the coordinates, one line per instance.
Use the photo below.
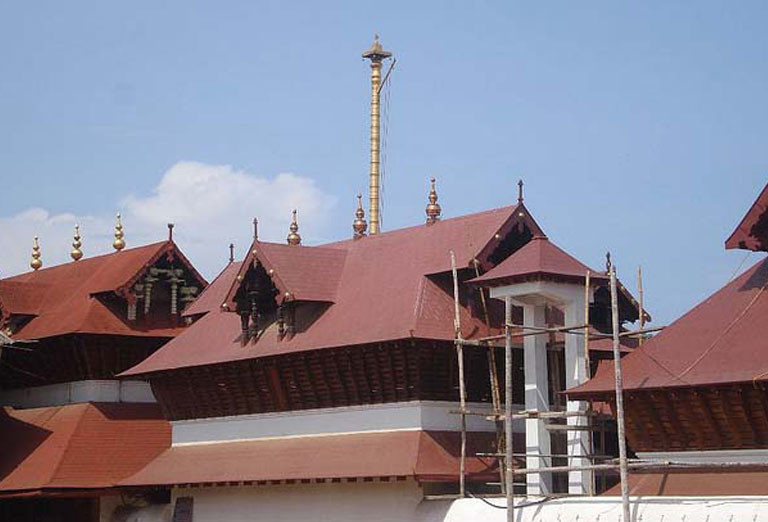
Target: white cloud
(211, 206)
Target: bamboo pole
(587, 373)
(619, 398)
(508, 408)
(640, 301)
(494, 378)
(462, 390)
(586, 324)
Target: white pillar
(537, 438)
(579, 482)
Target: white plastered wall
(400, 501)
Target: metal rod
(623, 466)
(386, 76)
(460, 357)
(508, 409)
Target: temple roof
(539, 257)
(720, 341)
(89, 445)
(307, 273)
(389, 286)
(424, 455)
(752, 231)
(61, 299)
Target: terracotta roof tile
(539, 257)
(411, 453)
(384, 293)
(61, 296)
(721, 340)
(214, 294)
(78, 446)
(699, 483)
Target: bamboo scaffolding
(462, 389)
(641, 313)
(510, 479)
(494, 379)
(623, 466)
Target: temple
(71, 431)
(461, 368)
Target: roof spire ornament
(293, 237)
(433, 210)
(36, 262)
(170, 232)
(76, 254)
(231, 253)
(119, 243)
(608, 262)
(359, 225)
(520, 192)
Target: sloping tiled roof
(752, 232)
(306, 273)
(61, 298)
(695, 483)
(539, 257)
(720, 341)
(384, 293)
(407, 453)
(79, 445)
(214, 294)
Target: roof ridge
(419, 226)
(21, 278)
(83, 408)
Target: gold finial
(293, 237)
(76, 253)
(36, 262)
(119, 243)
(359, 226)
(433, 209)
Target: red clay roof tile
(61, 296)
(539, 257)
(721, 340)
(412, 453)
(90, 445)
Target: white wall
(78, 392)
(354, 502)
(403, 502)
(425, 415)
(608, 509)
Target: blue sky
(639, 128)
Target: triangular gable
(752, 232)
(299, 273)
(121, 277)
(519, 228)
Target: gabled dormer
(284, 284)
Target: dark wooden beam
(701, 400)
(668, 401)
(742, 396)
